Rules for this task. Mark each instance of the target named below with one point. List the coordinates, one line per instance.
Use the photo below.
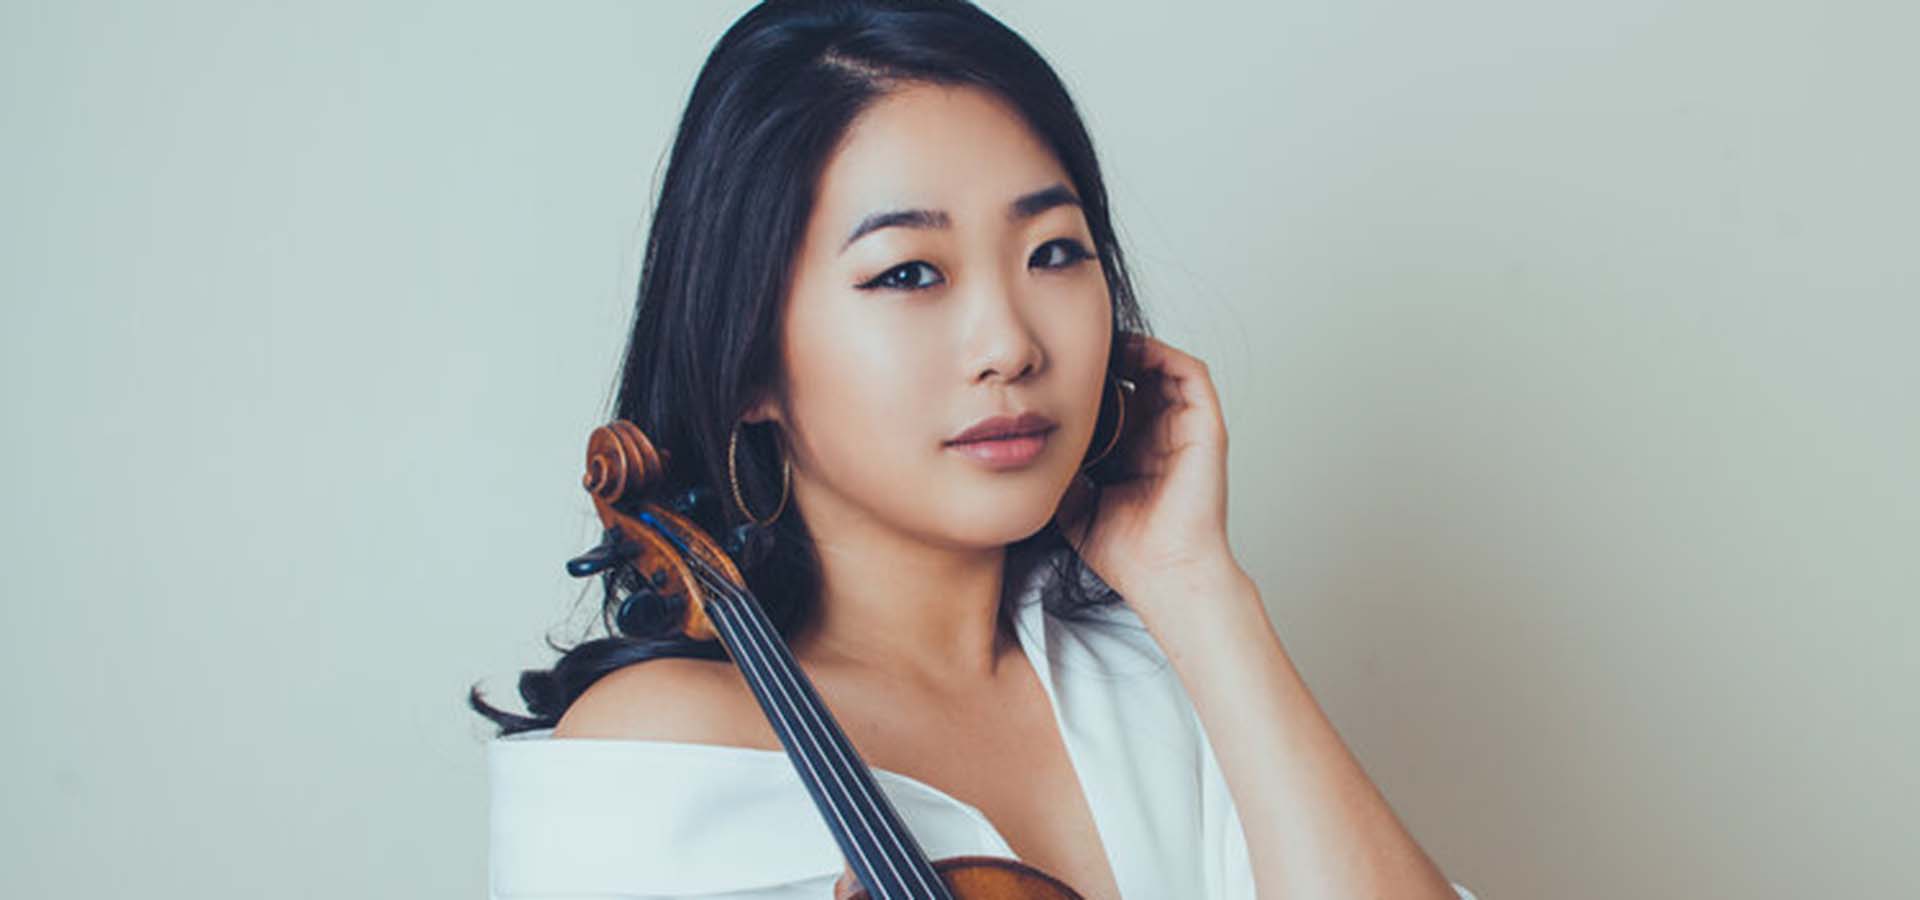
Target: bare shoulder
(699, 701)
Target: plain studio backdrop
(1568, 352)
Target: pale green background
(1568, 352)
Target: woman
(882, 229)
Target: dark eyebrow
(1023, 207)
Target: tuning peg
(686, 501)
(635, 612)
(644, 612)
(610, 552)
(738, 537)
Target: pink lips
(1005, 453)
(1005, 442)
(1004, 426)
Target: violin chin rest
(979, 878)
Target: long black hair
(771, 103)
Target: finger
(1185, 382)
(1150, 352)
(1189, 372)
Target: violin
(681, 569)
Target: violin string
(792, 732)
(790, 727)
(929, 881)
(756, 644)
(758, 622)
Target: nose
(1002, 344)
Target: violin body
(679, 568)
(980, 878)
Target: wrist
(1217, 577)
(1183, 597)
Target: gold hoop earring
(1123, 388)
(733, 475)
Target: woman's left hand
(1165, 522)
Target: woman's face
(898, 340)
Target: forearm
(1317, 827)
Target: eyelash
(1076, 253)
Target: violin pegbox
(624, 467)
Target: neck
(903, 609)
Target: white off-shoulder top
(608, 819)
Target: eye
(888, 280)
(1071, 252)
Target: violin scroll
(653, 543)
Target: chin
(983, 516)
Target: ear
(763, 407)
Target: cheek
(1077, 333)
(859, 395)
